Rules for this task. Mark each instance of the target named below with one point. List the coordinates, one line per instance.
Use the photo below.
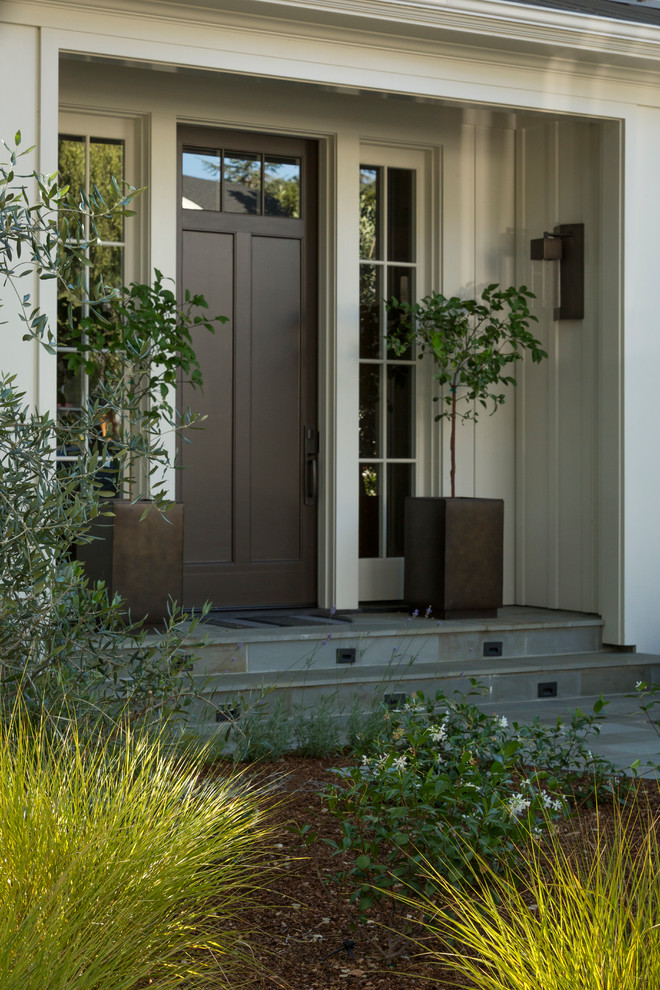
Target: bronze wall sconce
(566, 245)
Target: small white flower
(365, 761)
(503, 722)
(518, 804)
(400, 762)
(553, 804)
(639, 685)
(438, 732)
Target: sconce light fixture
(546, 248)
(566, 245)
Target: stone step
(383, 639)
(538, 680)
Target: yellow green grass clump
(584, 916)
(120, 867)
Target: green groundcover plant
(121, 867)
(586, 918)
(446, 782)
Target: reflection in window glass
(401, 286)
(370, 499)
(107, 372)
(71, 164)
(106, 160)
(200, 180)
(70, 385)
(68, 437)
(88, 164)
(400, 283)
(69, 311)
(106, 272)
(241, 176)
(71, 169)
(281, 186)
(371, 292)
(107, 264)
(399, 485)
(370, 218)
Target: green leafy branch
(472, 342)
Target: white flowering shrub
(447, 784)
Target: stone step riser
(320, 652)
(575, 676)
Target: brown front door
(247, 242)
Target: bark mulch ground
(307, 936)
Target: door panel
(208, 261)
(276, 434)
(250, 531)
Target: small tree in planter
(472, 343)
(453, 547)
(134, 348)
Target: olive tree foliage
(473, 344)
(64, 643)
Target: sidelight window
(388, 267)
(88, 163)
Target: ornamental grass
(120, 866)
(581, 915)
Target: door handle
(311, 471)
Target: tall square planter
(453, 556)
(139, 559)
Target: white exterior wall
(19, 56)
(591, 428)
(558, 437)
(641, 410)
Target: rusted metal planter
(139, 559)
(453, 557)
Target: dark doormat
(267, 618)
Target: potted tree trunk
(453, 547)
(134, 347)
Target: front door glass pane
(281, 187)
(241, 183)
(200, 180)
